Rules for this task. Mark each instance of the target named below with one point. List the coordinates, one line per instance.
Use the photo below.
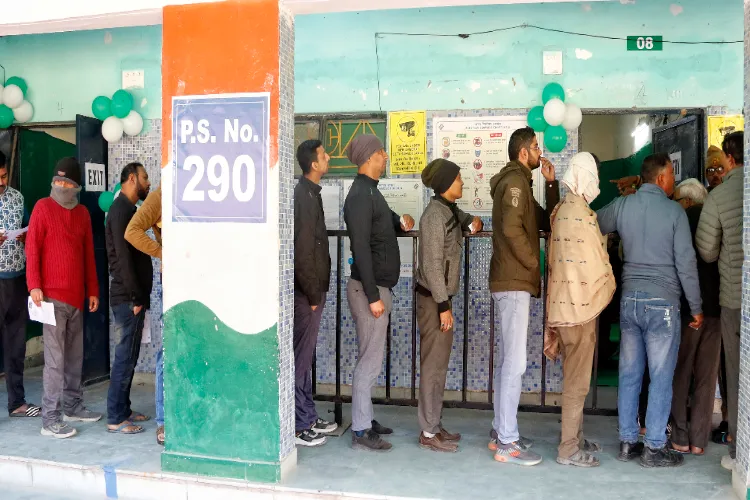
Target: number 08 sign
(221, 158)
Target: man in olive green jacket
(514, 278)
(719, 237)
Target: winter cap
(68, 169)
(440, 174)
(362, 148)
(713, 157)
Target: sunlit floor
(406, 471)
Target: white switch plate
(553, 62)
(133, 79)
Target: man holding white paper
(13, 312)
(61, 270)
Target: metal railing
(339, 399)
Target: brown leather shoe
(447, 436)
(436, 444)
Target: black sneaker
(629, 451)
(324, 427)
(663, 457)
(309, 438)
(381, 429)
(370, 441)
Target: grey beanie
(362, 148)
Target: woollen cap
(713, 157)
(362, 148)
(440, 174)
(68, 169)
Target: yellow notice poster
(719, 126)
(407, 136)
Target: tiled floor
(406, 470)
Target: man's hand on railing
(407, 222)
(476, 225)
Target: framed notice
(221, 163)
(479, 145)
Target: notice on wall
(719, 126)
(408, 141)
(95, 180)
(479, 145)
(332, 210)
(404, 196)
(221, 158)
(676, 159)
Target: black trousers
(14, 314)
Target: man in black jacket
(312, 271)
(372, 227)
(129, 297)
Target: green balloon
(6, 116)
(105, 200)
(117, 187)
(122, 103)
(555, 139)
(553, 90)
(101, 107)
(536, 119)
(20, 82)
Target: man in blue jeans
(659, 264)
(129, 297)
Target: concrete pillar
(740, 476)
(228, 242)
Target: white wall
(609, 136)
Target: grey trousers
(371, 338)
(730, 334)
(63, 363)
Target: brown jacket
(516, 221)
(581, 282)
(147, 217)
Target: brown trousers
(435, 352)
(578, 343)
(697, 361)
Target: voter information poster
(404, 196)
(408, 142)
(221, 155)
(479, 145)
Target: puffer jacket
(719, 236)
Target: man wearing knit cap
(376, 268)
(438, 275)
(61, 269)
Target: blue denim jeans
(650, 329)
(160, 381)
(510, 362)
(129, 328)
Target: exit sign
(645, 43)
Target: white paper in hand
(44, 314)
(14, 234)
(146, 335)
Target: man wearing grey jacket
(719, 237)
(659, 264)
(438, 274)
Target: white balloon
(24, 112)
(1, 93)
(112, 129)
(554, 112)
(133, 123)
(12, 96)
(573, 117)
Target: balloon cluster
(555, 118)
(118, 115)
(108, 197)
(13, 103)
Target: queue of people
(669, 305)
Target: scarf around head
(582, 177)
(65, 197)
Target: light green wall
(66, 71)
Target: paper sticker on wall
(719, 126)
(408, 141)
(676, 159)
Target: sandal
(126, 428)
(579, 459)
(684, 451)
(160, 436)
(694, 450)
(138, 417)
(591, 446)
(31, 412)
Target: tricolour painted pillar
(228, 256)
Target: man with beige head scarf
(581, 284)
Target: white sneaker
(727, 462)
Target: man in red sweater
(60, 269)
